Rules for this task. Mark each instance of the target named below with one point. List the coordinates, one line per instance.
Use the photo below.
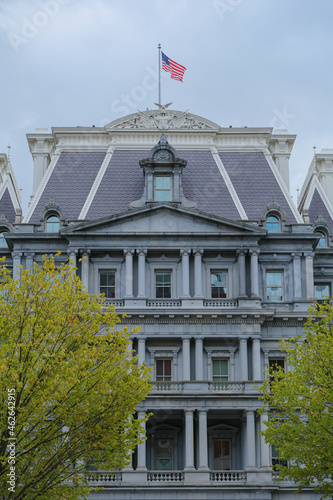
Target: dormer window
(52, 224)
(163, 171)
(322, 243)
(162, 188)
(3, 242)
(272, 224)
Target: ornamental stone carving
(163, 119)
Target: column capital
(296, 255)
(198, 251)
(309, 255)
(241, 251)
(128, 251)
(85, 252)
(254, 251)
(17, 254)
(185, 251)
(71, 251)
(29, 254)
(141, 251)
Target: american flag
(177, 70)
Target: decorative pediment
(273, 207)
(164, 219)
(162, 119)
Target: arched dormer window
(52, 219)
(52, 224)
(273, 224)
(322, 243)
(3, 242)
(273, 217)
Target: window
(322, 290)
(52, 224)
(274, 284)
(163, 370)
(322, 243)
(164, 454)
(218, 283)
(272, 224)
(220, 370)
(107, 284)
(3, 242)
(275, 457)
(162, 188)
(222, 454)
(163, 284)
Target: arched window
(52, 224)
(3, 242)
(272, 224)
(322, 243)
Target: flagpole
(159, 73)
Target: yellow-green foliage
(300, 404)
(76, 385)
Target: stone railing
(220, 303)
(232, 476)
(163, 303)
(114, 302)
(226, 387)
(167, 386)
(165, 477)
(104, 477)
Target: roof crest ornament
(162, 119)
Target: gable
(164, 220)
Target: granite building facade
(190, 229)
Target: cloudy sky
(88, 62)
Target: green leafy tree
(300, 404)
(69, 385)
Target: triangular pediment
(164, 219)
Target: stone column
(203, 448)
(242, 272)
(29, 261)
(266, 362)
(198, 273)
(72, 253)
(256, 361)
(198, 359)
(85, 268)
(264, 447)
(243, 359)
(232, 367)
(189, 444)
(141, 350)
(142, 273)
(254, 272)
(250, 438)
(16, 264)
(186, 360)
(142, 466)
(129, 273)
(297, 275)
(185, 272)
(309, 274)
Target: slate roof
(317, 207)
(254, 182)
(7, 206)
(70, 183)
(123, 182)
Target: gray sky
(88, 62)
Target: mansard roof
(95, 172)
(10, 198)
